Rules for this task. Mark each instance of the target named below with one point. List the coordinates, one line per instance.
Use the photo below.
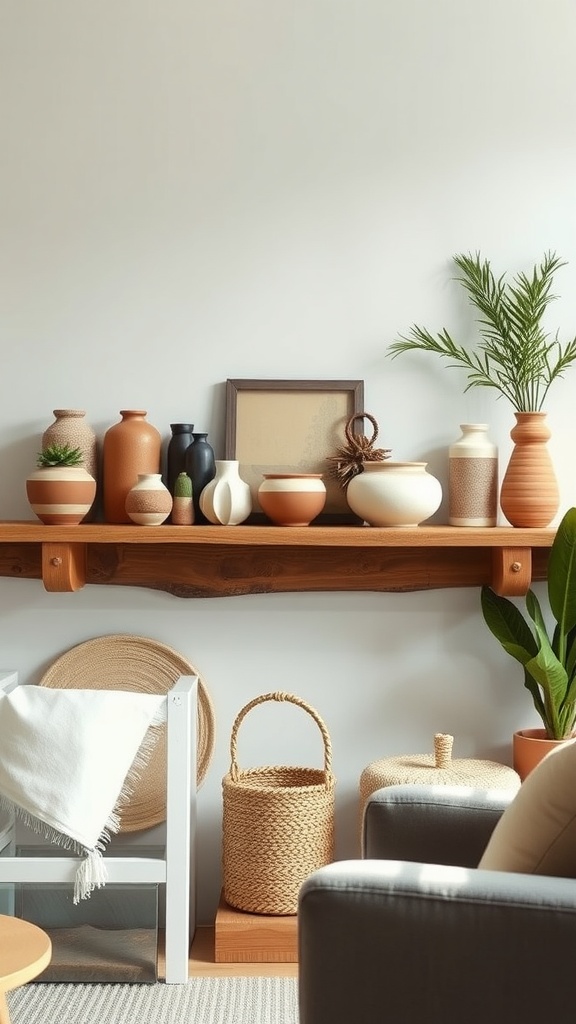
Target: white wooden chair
(173, 867)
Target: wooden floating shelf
(225, 561)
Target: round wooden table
(25, 950)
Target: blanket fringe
(91, 874)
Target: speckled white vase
(394, 493)
(226, 499)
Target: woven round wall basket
(278, 824)
(438, 769)
(137, 664)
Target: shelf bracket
(511, 571)
(63, 567)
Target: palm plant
(549, 662)
(515, 355)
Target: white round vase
(148, 502)
(226, 499)
(394, 493)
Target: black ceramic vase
(201, 468)
(178, 445)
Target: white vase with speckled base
(473, 478)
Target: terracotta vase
(529, 493)
(529, 746)
(149, 502)
(226, 499)
(292, 499)
(182, 504)
(61, 495)
(130, 447)
(398, 494)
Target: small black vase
(201, 468)
(178, 445)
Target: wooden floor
(202, 962)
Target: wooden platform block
(240, 937)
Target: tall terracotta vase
(130, 447)
(529, 494)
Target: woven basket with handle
(278, 824)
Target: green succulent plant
(548, 659)
(60, 455)
(515, 355)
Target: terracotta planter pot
(529, 746)
(61, 495)
(529, 494)
(292, 499)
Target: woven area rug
(251, 1000)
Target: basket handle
(279, 696)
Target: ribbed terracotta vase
(130, 447)
(529, 494)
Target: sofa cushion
(537, 832)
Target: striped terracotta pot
(61, 495)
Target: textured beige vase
(70, 427)
(529, 494)
(529, 746)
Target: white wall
(191, 192)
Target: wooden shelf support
(63, 567)
(511, 571)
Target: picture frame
(291, 426)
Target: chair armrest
(436, 824)
(406, 943)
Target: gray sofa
(415, 934)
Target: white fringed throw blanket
(68, 761)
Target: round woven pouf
(438, 769)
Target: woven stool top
(438, 769)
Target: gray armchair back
(415, 934)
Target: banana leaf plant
(548, 656)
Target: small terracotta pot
(292, 499)
(529, 746)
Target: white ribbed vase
(394, 493)
(226, 499)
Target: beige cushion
(537, 832)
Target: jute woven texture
(278, 824)
(438, 769)
(136, 663)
